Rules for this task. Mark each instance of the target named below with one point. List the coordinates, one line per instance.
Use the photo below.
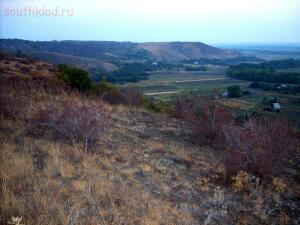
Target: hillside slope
(103, 55)
(25, 68)
(176, 51)
(140, 170)
(82, 62)
(70, 158)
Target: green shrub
(234, 91)
(77, 78)
(254, 85)
(157, 106)
(246, 93)
(103, 85)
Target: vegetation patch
(266, 72)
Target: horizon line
(171, 41)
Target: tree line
(266, 72)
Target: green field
(167, 84)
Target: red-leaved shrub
(116, 96)
(12, 102)
(204, 118)
(132, 97)
(257, 147)
(77, 121)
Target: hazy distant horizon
(208, 43)
(217, 22)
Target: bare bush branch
(258, 147)
(76, 121)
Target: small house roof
(276, 105)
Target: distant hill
(175, 51)
(82, 62)
(105, 55)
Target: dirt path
(203, 79)
(161, 93)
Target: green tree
(234, 91)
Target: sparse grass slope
(137, 167)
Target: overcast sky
(210, 21)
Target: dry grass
(27, 68)
(76, 193)
(46, 180)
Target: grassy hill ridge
(103, 54)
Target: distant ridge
(104, 54)
(175, 51)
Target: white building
(276, 107)
(225, 94)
